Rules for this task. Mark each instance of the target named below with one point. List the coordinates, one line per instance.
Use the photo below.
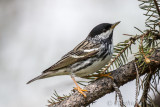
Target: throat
(107, 39)
(106, 48)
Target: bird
(87, 57)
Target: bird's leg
(80, 90)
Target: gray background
(34, 34)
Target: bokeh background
(34, 34)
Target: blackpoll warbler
(89, 56)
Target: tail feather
(49, 74)
(38, 77)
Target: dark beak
(115, 24)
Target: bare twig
(147, 60)
(118, 92)
(156, 4)
(137, 84)
(146, 89)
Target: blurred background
(34, 34)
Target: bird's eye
(104, 30)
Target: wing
(84, 50)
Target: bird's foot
(80, 90)
(103, 75)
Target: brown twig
(147, 60)
(137, 84)
(146, 89)
(157, 8)
(118, 92)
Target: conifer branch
(128, 44)
(102, 86)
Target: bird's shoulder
(82, 51)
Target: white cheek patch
(105, 34)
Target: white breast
(97, 65)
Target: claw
(80, 90)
